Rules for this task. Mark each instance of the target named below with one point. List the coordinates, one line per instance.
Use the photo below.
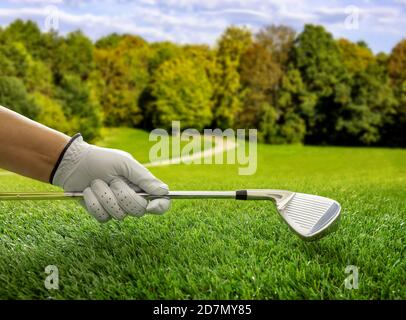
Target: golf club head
(310, 217)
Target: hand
(109, 180)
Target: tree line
(294, 88)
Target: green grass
(136, 142)
(218, 249)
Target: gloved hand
(109, 180)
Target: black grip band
(241, 195)
(51, 178)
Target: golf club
(310, 217)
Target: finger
(128, 199)
(94, 207)
(158, 206)
(107, 199)
(131, 185)
(142, 177)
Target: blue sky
(380, 23)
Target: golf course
(217, 249)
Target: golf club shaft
(76, 195)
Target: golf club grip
(172, 195)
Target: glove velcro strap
(62, 155)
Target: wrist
(43, 149)
(68, 159)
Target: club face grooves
(311, 217)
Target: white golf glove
(109, 180)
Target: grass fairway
(218, 249)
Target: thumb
(143, 178)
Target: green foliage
(278, 40)
(356, 57)
(161, 52)
(397, 63)
(205, 57)
(395, 126)
(317, 56)
(75, 55)
(372, 102)
(227, 91)
(181, 91)
(6, 65)
(13, 95)
(78, 106)
(109, 41)
(293, 108)
(27, 33)
(271, 94)
(394, 131)
(259, 75)
(19, 56)
(121, 77)
(51, 114)
(305, 88)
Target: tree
(259, 76)
(394, 131)
(293, 106)
(39, 78)
(279, 41)
(372, 101)
(14, 96)
(181, 91)
(51, 114)
(17, 54)
(360, 119)
(395, 126)
(311, 88)
(204, 56)
(18, 62)
(397, 63)
(74, 55)
(120, 78)
(227, 93)
(27, 33)
(356, 57)
(317, 56)
(6, 65)
(261, 69)
(109, 41)
(161, 52)
(80, 109)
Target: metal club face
(310, 216)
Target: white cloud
(37, 1)
(117, 23)
(203, 21)
(259, 14)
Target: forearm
(27, 147)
